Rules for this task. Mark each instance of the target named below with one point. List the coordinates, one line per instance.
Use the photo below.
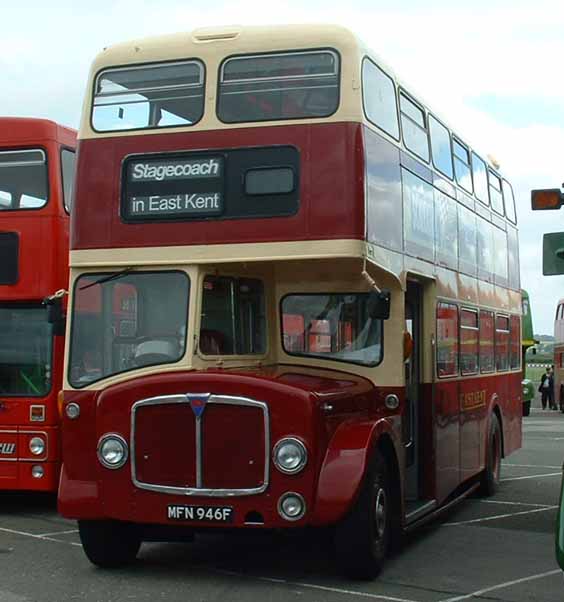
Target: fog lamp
(291, 506)
(37, 471)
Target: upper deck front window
(26, 343)
(23, 179)
(269, 87)
(150, 96)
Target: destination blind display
(174, 188)
(211, 185)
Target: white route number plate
(207, 514)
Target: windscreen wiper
(103, 279)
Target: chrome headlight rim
(295, 441)
(37, 446)
(122, 441)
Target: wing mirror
(379, 304)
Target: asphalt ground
(501, 548)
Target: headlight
(112, 451)
(290, 455)
(37, 446)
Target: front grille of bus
(225, 452)
(9, 252)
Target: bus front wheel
(108, 544)
(362, 538)
(489, 481)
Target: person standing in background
(546, 389)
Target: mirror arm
(369, 279)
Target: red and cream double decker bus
(295, 298)
(36, 173)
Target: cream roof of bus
(213, 44)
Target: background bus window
(414, 128)
(334, 326)
(67, 172)
(501, 343)
(25, 351)
(23, 179)
(496, 197)
(467, 241)
(462, 165)
(486, 341)
(233, 316)
(515, 353)
(480, 176)
(447, 340)
(380, 101)
(440, 147)
(293, 332)
(468, 341)
(153, 96)
(270, 87)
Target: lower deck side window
(447, 340)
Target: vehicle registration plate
(209, 514)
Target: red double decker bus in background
(36, 174)
(294, 299)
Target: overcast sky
(491, 68)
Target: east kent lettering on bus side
(181, 202)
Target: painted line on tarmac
(501, 586)
(325, 588)
(489, 518)
(505, 464)
(533, 476)
(58, 533)
(35, 536)
(515, 503)
(545, 438)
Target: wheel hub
(380, 513)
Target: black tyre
(490, 478)
(526, 408)
(108, 544)
(362, 539)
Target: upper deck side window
(23, 179)
(509, 201)
(271, 87)
(379, 98)
(462, 169)
(480, 177)
(149, 96)
(496, 198)
(414, 127)
(440, 146)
